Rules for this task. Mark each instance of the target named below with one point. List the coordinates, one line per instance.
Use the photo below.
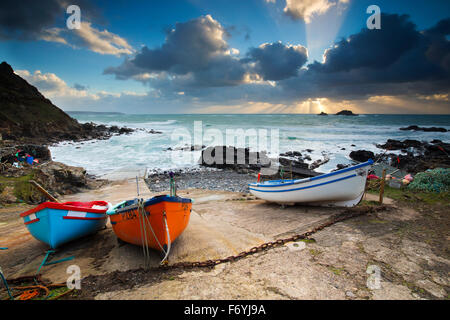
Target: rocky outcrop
(323, 114)
(56, 177)
(346, 113)
(417, 156)
(27, 116)
(431, 129)
(392, 144)
(293, 162)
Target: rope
(168, 239)
(143, 225)
(141, 215)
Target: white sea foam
(124, 156)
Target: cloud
(306, 9)
(30, 19)
(103, 42)
(276, 61)
(36, 20)
(51, 86)
(396, 60)
(195, 53)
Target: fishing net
(436, 180)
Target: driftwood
(45, 192)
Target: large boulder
(362, 155)
(61, 178)
(233, 158)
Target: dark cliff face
(26, 113)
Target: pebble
(224, 180)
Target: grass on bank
(22, 189)
(403, 194)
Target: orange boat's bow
(161, 219)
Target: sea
(332, 137)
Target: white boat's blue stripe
(326, 175)
(308, 187)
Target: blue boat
(58, 223)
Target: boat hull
(176, 211)
(343, 188)
(56, 224)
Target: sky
(232, 56)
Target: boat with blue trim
(57, 223)
(342, 188)
(153, 223)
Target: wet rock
(430, 129)
(323, 114)
(341, 166)
(392, 144)
(318, 163)
(362, 155)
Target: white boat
(342, 188)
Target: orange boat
(153, 223)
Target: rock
(419, 156)
(318, 163)
(341, 166)
(350, 294)
(392, 144)
(233, 158)
(8, 153)
(154, 131)
(294, 161)
(431, 129)
(291, 154)
(362, 155)
(28, 116)
(322, 114)
(61, 178)
(7, 195)
(346, 113)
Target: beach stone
(296, 246)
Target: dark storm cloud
(196, 48)
(372, 48)
(196, 53)
(190, 46)
(276, 61)
(195, 62)
(29, 19)
(398, 59)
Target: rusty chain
(345, 215)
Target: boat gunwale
(267, 184)
(151, 201)
(65, 207)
